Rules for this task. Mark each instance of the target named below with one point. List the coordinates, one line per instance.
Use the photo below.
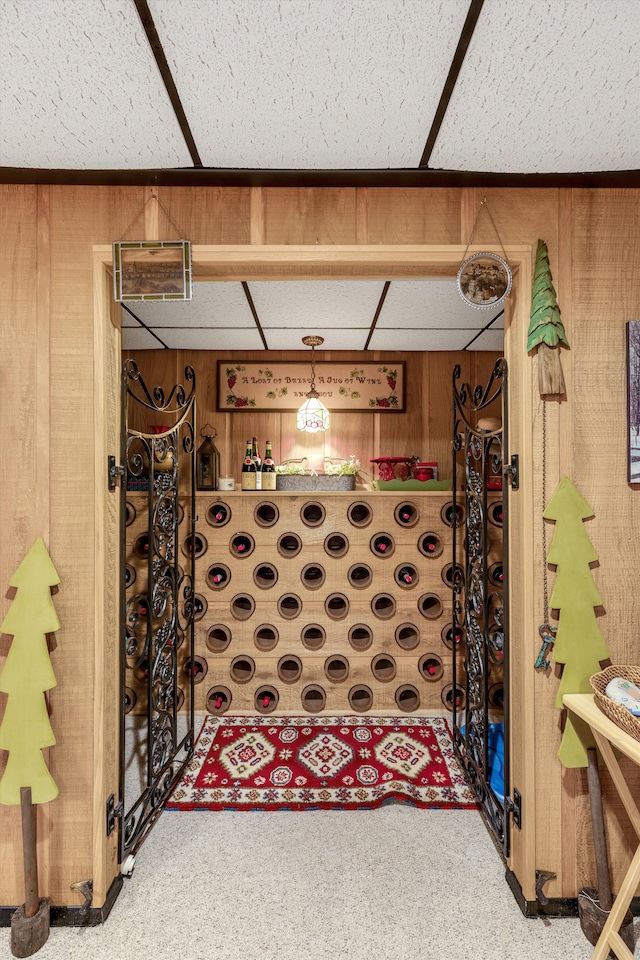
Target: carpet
(321, 763)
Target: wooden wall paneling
(205, 214)
(400, 434)
(21, 361)
(310, 215)
(257, 214)
(520, 216)
(413, 215)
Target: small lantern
(207, 461)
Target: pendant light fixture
(313, 415)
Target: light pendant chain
(546, 631)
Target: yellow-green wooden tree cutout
(25, 729)
(579, 643)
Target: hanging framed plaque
(152, 270)
(484, 280)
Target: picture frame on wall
(152, 270)
(633, 400)
(484, 281)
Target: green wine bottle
(248, 470)
(268, 469)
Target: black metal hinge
(113, 812)
(514, 806)
(114, 472)
(512, 472)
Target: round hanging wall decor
(484, 280)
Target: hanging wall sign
(484, 280)
(148, 270)
(282, 386)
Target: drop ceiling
(320, 92)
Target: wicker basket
(619, 714)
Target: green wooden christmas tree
(579, 643)
(25, 729)
(546, 330)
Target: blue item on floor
(496, 759)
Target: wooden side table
(608, 735)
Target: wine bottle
(255, 456)
(248, 470)
(268, 469)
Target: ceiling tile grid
(212, 305)
(411, 340)
(79, 88)
(429, 304)
(309, 83)
(547, 87)
(303, 305)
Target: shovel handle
(599, 837)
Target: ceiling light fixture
(313, 415)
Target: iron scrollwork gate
(480, 607)
(158, 615)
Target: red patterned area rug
(321, 763)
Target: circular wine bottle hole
(496, 696)
(336, 545)
(383, 667)
(142, 546)
(200, 606)
(359, 514)
(289, 545)
(266, 514)
(218, 638)
(129, 575)
(130, 699)
(265, 576)
(360, 698)
(430, 666)
(496, 574)
(430, 606)
(218, 576)
(383, 606)
(198, 668)
(266, 636)
(312, 576)
(406, 514)
(430, 545)
(448, 635)
(266, 698)
(452, 573)
(196, 545)
(496, 514)
(447, 696)
(407, 636)
(406, 576)
(242, 669)
(336, 668)
(336, 606)
(382, 544)
(313, 513)
(218, 700)
(242, 606)
(218, 514)
(130, 513)
(360, 636)
(289, 668)
(360, 576)
(180, 699)
(407, 698)
(313, 698)
(141, 670)
(313, 636)
(242, 545)
(449, 514)
(289, 606)
(180, 513)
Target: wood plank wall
(47, 446)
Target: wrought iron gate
(480, 608)
(157, 618)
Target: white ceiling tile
(303, 305)
(137, 338)
(547, 87)
(334, 339)
(310, 83)
(80, 88)
(420, 339)
(207, 339)
(489, 340)
(428, 304)
(212, 305)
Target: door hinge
(114, 471)
(512, 472)
(514, 806)
(113, 812)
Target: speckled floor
(389, 884)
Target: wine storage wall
(333, 605)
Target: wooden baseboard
(555, 906)
(62, 916)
